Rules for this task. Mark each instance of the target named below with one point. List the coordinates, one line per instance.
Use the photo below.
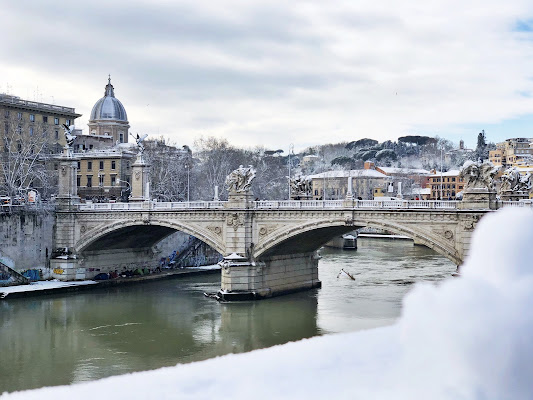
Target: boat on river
(345, 242)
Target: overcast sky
(278, 72)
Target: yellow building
(512, 152)
(445, 185)
(104, 174)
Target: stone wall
(26, 238)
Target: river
(69, 338)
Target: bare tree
(24, 158)
(168, 173)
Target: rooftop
(34, 105)
(355, 173)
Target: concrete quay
(41, 288)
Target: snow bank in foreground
(468, 338)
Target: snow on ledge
(466, 338)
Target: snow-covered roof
(452, 172)
(421, 191)
(355, 173)
(396, 170)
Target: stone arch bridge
(269, 247)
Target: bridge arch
(157, 229)
(310, 236)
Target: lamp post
(291, 148)
(187, 167)
(441, 178)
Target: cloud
(275, 72)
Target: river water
(68, 338)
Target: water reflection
(90, 335)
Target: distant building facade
(512, 152)
(445, 185)
(27, 121)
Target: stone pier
(272, 276)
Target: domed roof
(109, 107)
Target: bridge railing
(149, 205)
(517, 204)
(371, 204)
(279, 204)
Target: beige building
(512, 152)
(104, 174)
(28, 122)
(335, 183)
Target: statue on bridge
(478, 175)
(513, 181)
(139, 141)
(240, 180)
(69, 137)
(300, 187)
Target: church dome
(109, 107)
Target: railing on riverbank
(274, 204)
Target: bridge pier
(243, 279)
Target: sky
(272, 73)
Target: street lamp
(441, 178)
(291, 148)
(188, 179)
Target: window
(56, 135)
(113, 164)
(19, 116)
(55, 166)
(101, 165)
(113, 180)
(89, 165)
(78, 180)
(31, 130)
(89, 181)
(121, 137)
(91, 147)
(101, 180)
(453, 179)
(79, 165)
(19, 129)
(45, 119)
(32, 117)
(56, 121)
(67, 122)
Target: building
(32, 133)
(28, 122)
(106, 158)
(445, 185)
(364, 182)
(512, 152)
(105, 174)
(108, 117)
